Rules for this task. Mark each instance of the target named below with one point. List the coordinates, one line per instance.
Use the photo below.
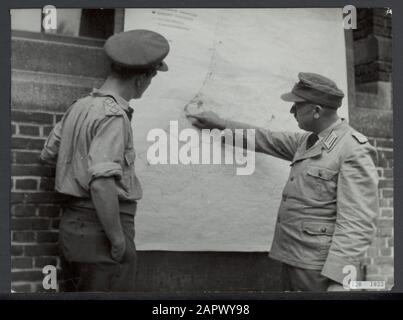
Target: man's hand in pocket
(118, 250)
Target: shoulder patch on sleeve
(112, 108)
(359, 137)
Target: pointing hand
(207, 120)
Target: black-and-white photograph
(201, 150)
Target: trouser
(299, 279)
(85, 256)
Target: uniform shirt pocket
(321, 183)
(317, 236)
(318, 228)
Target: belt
(124, 206)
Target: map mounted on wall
(237, 63)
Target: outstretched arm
(282, 145)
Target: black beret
(138, 49)
(315, 88)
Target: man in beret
(329, 204)
(92, 147)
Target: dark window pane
(97, 23)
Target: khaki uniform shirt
(330, 201)
(94, 139)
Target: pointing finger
(195, 116)
(197, 124)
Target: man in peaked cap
(329, 204)
(92, 147)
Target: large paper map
(236, 62)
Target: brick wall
(46, 78)
(34, 214)
(372, 114)
(379, 257)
